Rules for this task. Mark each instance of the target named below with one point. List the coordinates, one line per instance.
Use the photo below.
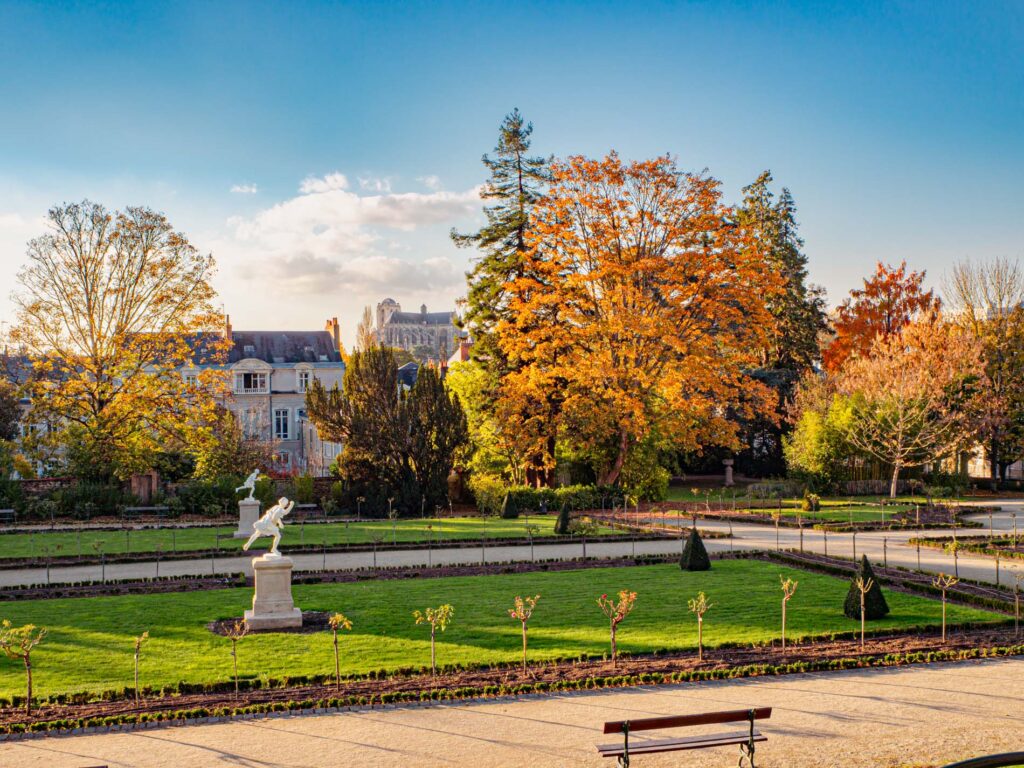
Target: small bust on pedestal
(272, 605)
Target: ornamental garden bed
(87, 657)
(1003, 546)
(320, 693)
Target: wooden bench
(7, 516)
(745, 738)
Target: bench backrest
(684, 721)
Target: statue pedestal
(272, 606)
(248, 513)
(729, 483)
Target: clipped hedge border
(139, 720)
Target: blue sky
(351, 132)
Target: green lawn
(90, 640)
(169, 540)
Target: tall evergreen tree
(437, 431)
(799, 312)
(517, 180)
(367, 416)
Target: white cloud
(245, 189)
(330, 239)
(375, 185)
(430, 182)
(331, 181)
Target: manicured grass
(168, 541)
(90, 641)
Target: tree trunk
(895, 480)
(433, 655)
(337, 664)
(700, 639)
(783, 624)
(524, 646)
(614, 655)
(993, 461)
(28, 678)
(612, 476)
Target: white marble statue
(271, 524)
(249, 484)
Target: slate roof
(284, 347)
(407, 374)
(420, 318)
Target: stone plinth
(272, 606)
(248, 513)
(728, 473)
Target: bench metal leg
(747, 750)
(624, 757)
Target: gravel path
(878, 545)
(915, 716)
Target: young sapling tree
(338, 621)
(437, 618)
(788, 589)
(17, 644)
(943, 582)
(863, 586)
(616, 611)
(699, 606)
(521, 612)
(138, 650)
(234, 633)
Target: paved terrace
(912, 716)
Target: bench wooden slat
(684, 721)
(671, 745)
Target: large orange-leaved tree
(639, 311)
(890, 299)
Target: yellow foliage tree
(110, 306)
(640, 309)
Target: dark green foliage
(516, 183)
(397, 445)
(509, 510)
(437, 431)
(875, 606)
(563, 524)
(10, 411)
(799, 311)
(695, 556)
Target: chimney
(334, 329)
(227, 327)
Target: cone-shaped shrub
(694, 557)
(875, 606)
(562, 523)
(509, 511)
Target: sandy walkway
(918, 716)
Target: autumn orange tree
(915, 396)
(109, 307)
(639, 310)
(890, 299)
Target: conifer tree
(562, 524)
(875, 606)
(798, 310)
(437, 431)
(516, 182)
(695, 556)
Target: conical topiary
(563, 522)
(875, 606)
(695, 556)
(508, 508)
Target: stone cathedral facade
(427, 335)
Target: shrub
(302, 489)
(86, 500)
(509, 510)
(563, 524)
(875, 606)
(488, 492)
(811, 502)
(695, 556)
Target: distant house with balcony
(269, 373)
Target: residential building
(269, 373)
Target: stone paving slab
(914, 716)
